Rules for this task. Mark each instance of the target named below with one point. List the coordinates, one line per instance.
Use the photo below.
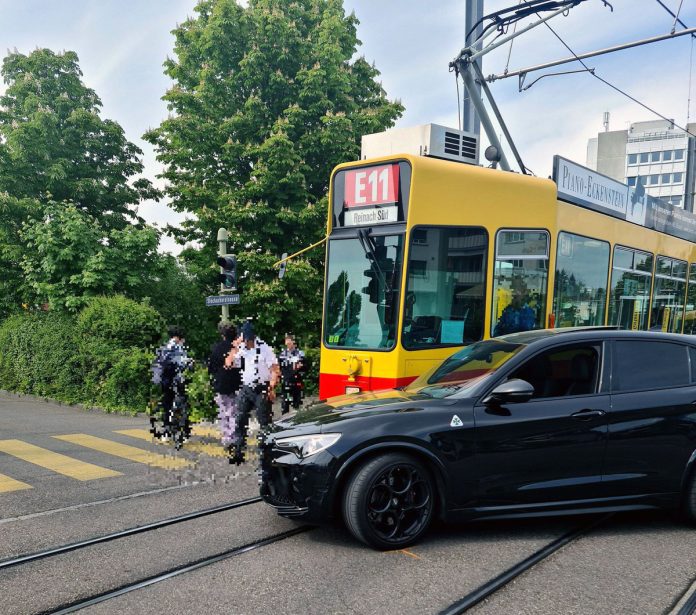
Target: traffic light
(228, 273)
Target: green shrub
(39, 355)
(201, 396)
(312, 374)
(127, 386)
(120, 323)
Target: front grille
(278, 499)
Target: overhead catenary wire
(614, 87)
(676, 17)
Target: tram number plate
(372, 186)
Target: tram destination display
(587, 188)
(371, 195)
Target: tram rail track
(139, 529)
(173, 572)
(686, 603)
(489, 588)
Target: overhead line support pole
(469, 78)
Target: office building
(657, 154)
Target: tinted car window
(561, 372)
(692, 357)
(642, 365)
(473, 362)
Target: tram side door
(551, 447)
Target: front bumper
(297, 487)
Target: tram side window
(580, 291)
(520, 281)
(445, 289)
(631, 275)
(690, 316)
(667, 307)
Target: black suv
(542, 422)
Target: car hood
(336, 409)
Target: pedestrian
(292, 368)
(226, 380)
(171, 361)
(260, 374)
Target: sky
(123, 43)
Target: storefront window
(580, 293)
(520, 281)
(630, 289)
(445, 288)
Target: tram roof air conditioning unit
(425, 140)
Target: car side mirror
(513, 391)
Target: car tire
(389, 501)
(690, 499)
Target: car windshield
(362, 282)
(465, 368)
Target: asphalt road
(638, 563)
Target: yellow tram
(427, 255)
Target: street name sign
(222, 300)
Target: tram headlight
(305, 446)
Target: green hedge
(39, 355)
(120, 323)
(102, 357)
(93, 359)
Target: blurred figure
(292, 368)
(226, 380)
(517, 315)
(171, 361)
(259, 367)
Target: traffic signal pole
(222, 237)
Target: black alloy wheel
(389, 501)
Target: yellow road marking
(62, 464)
(125, 451)
(405, 552)
(10, 484)
(209, 431)
(214, 450)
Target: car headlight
(304, 446)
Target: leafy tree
(69, 258)
(54, 146)
(266, 100)
(13, 213)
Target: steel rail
(173, 572)
(30, 557)
(686, 603)
(489, 588)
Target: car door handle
(586, 415)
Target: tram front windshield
(362, 291)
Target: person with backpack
(226, 381)
(171, 361)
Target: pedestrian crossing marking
(213, 450)
(10, 484)
(125, 451)
(62, 464)
(206, 431)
